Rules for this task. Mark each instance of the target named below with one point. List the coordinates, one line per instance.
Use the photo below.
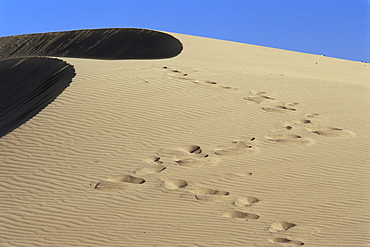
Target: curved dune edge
(30, 84)
(109, 43)
(27, 86)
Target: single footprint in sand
(303, 121)
(207, 192)
(258, 97)
(289, 139)
(153, 160)
(285, 242)
(174, 184)
(279, 108)
(181, 152)
(204, 82)
(193, 149)
(237, 148)
(280, 226)
(126, 179)
(245, 201)
(208, 195)
(331, 132)
(241, 215)
(150, 170)
(117, 182)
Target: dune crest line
(29, 81)
(108, 43)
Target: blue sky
(335, 28)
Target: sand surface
(226, 144)
(28, 85)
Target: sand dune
(27, 86)
(30, 84)
(109, 43)
(226, 144)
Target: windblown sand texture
(29, 83)
(226, 144)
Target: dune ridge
(71, 163)
(29, 84)
(108, 43)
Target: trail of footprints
(192, 156)
(286, 135)
(177, 74)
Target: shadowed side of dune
(111, 43)
(27, 85)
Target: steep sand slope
(225, 145)
(107, 43)
(29, 84)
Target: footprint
(174, 184)
(236, 148)
(245, 201)
(290, 139)
(209, 195)
(117, 182)
(280, 226)
(126, 179)
(279, 108)
(241, 215)
(331, 132)
(150, 170)
(207, 192)
(285, 242)
(153, 160)
(107, 185)
(181, 152)
(304, 121)
(198, 162)
(204, 82)
(258, 97)
(193, 149)
(178, 75)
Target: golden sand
(226, 144)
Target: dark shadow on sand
(27, 85)
(29, 81)
(111, 43)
